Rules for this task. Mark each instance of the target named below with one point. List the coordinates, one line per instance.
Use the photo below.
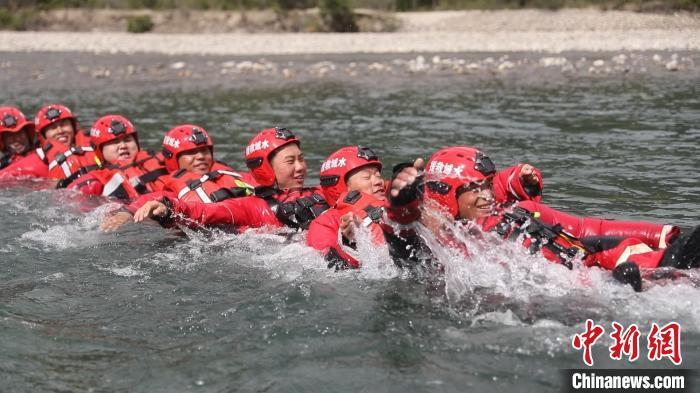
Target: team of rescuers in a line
(457, 191)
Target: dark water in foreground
(146, 310)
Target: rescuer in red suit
(17, 137)
(194, 174)
(63, 155)
(352, 181)
(128, 172)
(277, 165)
(465, 192)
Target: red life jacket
(219, 184)
(68, 163)
(130, 181)
(297, 212)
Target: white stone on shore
(505, 66)
(553, 61)
(244, 66)
(473, 66)
(620, 59)
(599, 63)
(101, 73)
(377, 67)
(418, 64)
(672, 65)
(568, 68)
(178, 65)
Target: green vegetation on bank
(139, 24)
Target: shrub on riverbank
(139, 24)
(17, 19)
(337, 16)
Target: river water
(150, 310)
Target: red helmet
(50, 114)
(12, 120)
(451, 168)
(108, 128)
(182, 138)
(259, 149)
(335, 170)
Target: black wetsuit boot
(684, 252)
(628, 273)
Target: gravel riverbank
(447, 32)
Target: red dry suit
(560, 236)
(129, 181)
(605, 243)
(55, 161)
(324, 231)
(30, 165)
(268, 207)
(220, 183)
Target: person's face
(198, 160)
(289, 167)
(477, 201)
(122, 149)
(15, 142)
(368, 180)
(61, 131)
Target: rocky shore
(522, 46)
(451, 32)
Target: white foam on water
(74, 231)
(53, 277)
(280, 252)
(505, 273)
(376, 261)
(127, 271)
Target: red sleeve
(153, 196)
(30, 166)
(249, 212)
(323, 236)
(508, 186)
(654, 235)
(323, 231)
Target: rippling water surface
(149, 310)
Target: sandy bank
(317, 43)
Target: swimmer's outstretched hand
(151, 209)
(348, 223)
(529, 174)
(115, 221)
(406, 177)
